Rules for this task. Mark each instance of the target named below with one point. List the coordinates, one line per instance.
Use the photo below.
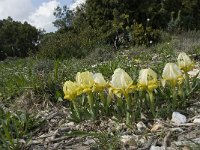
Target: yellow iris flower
(100, 82)
(147, 80)
(71, 90)
(184, 62)
(121, 83)
(172, 74)
(85, 81)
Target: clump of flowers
(186, 65)
(172, 77)
(123, 95)
(148, 82)
(122, 86)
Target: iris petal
(121, 83)
(147, 80)
(71, 90)
(85, 81)
(184, 62)
(172, 74)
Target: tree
(17, 39)
(114, 20)
(64, 18)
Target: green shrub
(69, 44)
(142, 36)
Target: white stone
(194, 72)
(196, 120)
(70, 124)
(89, 142)
(125, 138)
(141, 126)
(156, 148)
(178, 118)
(129, 140)
(191, 143)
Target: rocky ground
(58, 132)
(182, 132)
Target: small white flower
(148, 19)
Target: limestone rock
(141, 126)
(156, 148)
(178, 118)
(196, 120)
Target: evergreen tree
(17, 39)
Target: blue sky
(39, 13)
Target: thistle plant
(148, 82)
(122, 86)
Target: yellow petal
(84, 78)
(184, 62)
(100, 83)
(146, 76)
(117, 92)
(120, 79)
(99, 79)
(147, 80)
(71, 90)
(121, 83)
(85, 81)
(143, 74)
(171, 72)
(110, 93)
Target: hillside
(35, 115)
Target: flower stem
(120, 106)
(128, 108)
(91, 103)
(182, 96)
(109, 99)
(137, 103)
(174, 98)
(76, 109)
(103, 100)
(152, 103)
(187, 82)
